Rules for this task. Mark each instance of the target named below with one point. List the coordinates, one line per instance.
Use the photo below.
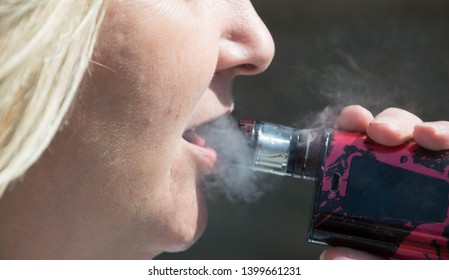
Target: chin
(185, 208)
(185, 240)
(189, 225)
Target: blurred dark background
(329, 53)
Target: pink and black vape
(390, 201)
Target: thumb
(342, 253)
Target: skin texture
(120, 181)
(394, 126)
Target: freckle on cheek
(148, 123)
(170, 112)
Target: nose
(246, 46)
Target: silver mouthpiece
(282, 150)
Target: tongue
(192, 137)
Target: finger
(432, 135)
(393, 127)
(354, 118)
(342, 253)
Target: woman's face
(123, 178)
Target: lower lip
(206, 156)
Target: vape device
(390, 201)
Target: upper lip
(218, 87)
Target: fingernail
(343, 259)
(384, 121)
(436, 127)
(322, 255)
(427, 125)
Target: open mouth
(194, 138)
(206, 156)
(210, 134)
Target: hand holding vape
(390, 201)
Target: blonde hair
(45, 48)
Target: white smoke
(233, 178)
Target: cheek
(145, 92)
(165, 211)
(169, 66)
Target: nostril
(249, 68)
